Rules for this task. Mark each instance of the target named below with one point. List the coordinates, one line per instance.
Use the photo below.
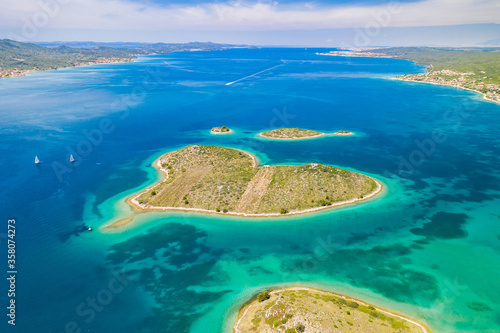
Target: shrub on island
(221, 129)
(352, 304)
(263, 296)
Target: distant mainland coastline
(298, 134)
(19, 59)
(221, 130)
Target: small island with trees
(305, 310)
(343, 133)
(223, 180)
(297, 134)
(221, 130)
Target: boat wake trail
(246, 77)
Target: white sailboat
(71, 158)
(37, 161)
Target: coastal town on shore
(197, 178)
(4, 73)
(461, 80)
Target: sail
(71, 158)
(37, 161)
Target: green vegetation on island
(17, 58)
(263, 296)
(297, 310)
(343, 133)
(297, 134)
(221, 130)
(291, 134)
(224, 180)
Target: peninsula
(297, 134)
(223, 180)
(221, 130)
(297, 310)
(19, 59)
(476, 69)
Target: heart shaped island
(214, 179)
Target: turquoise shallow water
(427, 248)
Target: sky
(289, 23)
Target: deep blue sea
(427, 248)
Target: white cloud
(126, 15)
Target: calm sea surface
(427, 248)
